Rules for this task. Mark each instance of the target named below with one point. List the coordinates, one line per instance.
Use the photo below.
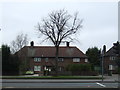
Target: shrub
(79, 67)
(118, 70)
(29, 73)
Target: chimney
(67, 43)
(32, 43)
(104, 49)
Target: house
(110, 61)
(41, 58)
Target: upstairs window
(76, 59)
(37, 59)
(112, 58)
(60, 59)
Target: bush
(79, 67)
(109, 73)
(29, 73)
(118, 70)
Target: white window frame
(37, 68)
(111, 67)
(60, 59)
(112, 58)
(86, 60)
(37, 59)
(76, 59)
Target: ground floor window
(111, 67)
(60, 68)
(86, 60)
(37, 68)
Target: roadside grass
(51, 77)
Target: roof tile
(49, 51)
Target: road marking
(88, 86)
(101, 84)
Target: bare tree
(57, 27)
(20, 41)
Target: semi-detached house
(41, 58)
(110, 64)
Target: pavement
(109, 82)
(114, 77)
(107, 79)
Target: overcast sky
(100, 25)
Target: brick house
(109, 61)
(41, 58)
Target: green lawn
(51, 77)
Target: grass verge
(51, 77)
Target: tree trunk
(56, 60)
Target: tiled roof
(49, 51)
(110, 52)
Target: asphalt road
(53, 80)
(57, 84)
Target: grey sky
(100, 25)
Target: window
(111, 67)
(37, 68)
(60, 68)
(86, 60)
(37, 59)
(76, 59)
(46, 59)
(60, 59)
(112, 58)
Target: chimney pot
(32, 43)
(104, 49)
(68, 43)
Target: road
(59, 85)
(56, 84)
